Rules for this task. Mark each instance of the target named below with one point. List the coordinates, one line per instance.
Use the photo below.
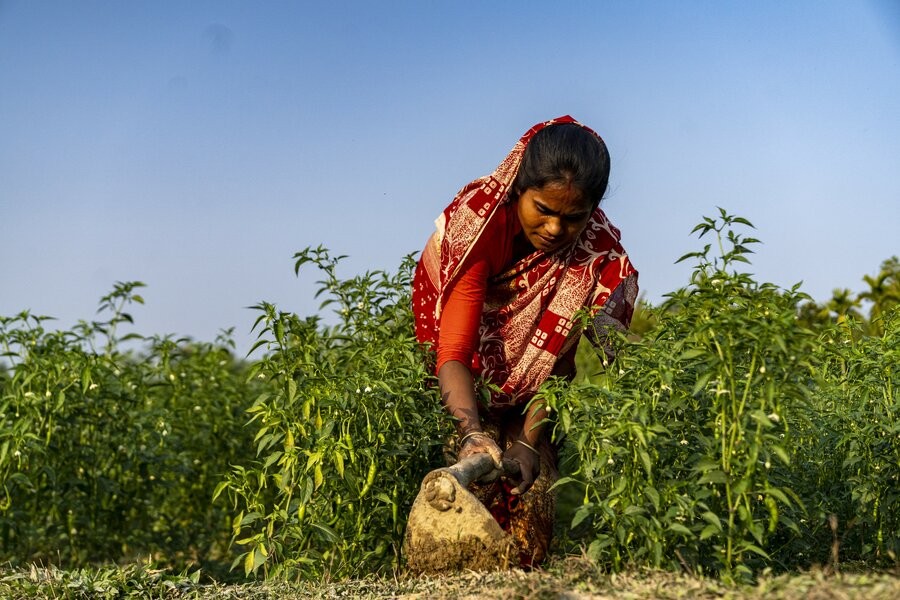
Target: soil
(449, 530)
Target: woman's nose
(553, 227)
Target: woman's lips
(549, 243)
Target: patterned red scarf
(528, 315)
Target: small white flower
(261, 376)
(683, 442)
(368, 389)
(768, 465)
(762, 369)
(610, 461)
(31, 395)
(197, 408)
(93, 386)
(17, 454)
(48, 393)
(774, 417)
(171, 376)
(358, 391)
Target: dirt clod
(441, 540)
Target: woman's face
(553, 216)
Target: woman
(514, 257)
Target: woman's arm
(458, 395)
(458, 335)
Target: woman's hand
(478, 442)
(529, 464)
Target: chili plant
(678, 441)
(343, 435)
(106, 454)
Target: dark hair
(566, 153)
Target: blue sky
(196, 146)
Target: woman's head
(563, 176)
(565, 154)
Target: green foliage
(860, 412)
(343, 435)
(697, 448)
(107, 455)
(882, 297)
(740, 427)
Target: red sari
(527, 324)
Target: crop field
(744, 442)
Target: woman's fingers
(525, 457)
(482, 444)
(523, 487)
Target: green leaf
(693, 353)
(219, 488)
(754, 548)
(85, 379)
(779, 495)
(713, 519)
(716, 476)
(582, 513)
(709, 531)
(653, 495)
(270, 460)
(701, 382)
(782, 454)
(563, 481)
(679, 528)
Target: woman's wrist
(464, 428)
(472, 435)
(528, 445)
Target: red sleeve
(464, 298)
(461, 314)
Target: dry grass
(569, 579)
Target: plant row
(739, 427)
